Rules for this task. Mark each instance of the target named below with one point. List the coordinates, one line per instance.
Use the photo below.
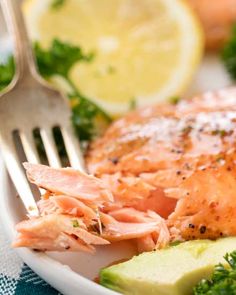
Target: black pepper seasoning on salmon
(202, 229)
(114, 160)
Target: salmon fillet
(162, 173)
(185, 153)
(168, 136)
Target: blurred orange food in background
(217, 17)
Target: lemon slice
(145, 50)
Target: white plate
(73, 273)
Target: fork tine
(29, 147)
(50, 148)
(72, 148)
(30, 103)
(18, 177)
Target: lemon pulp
(145, 50)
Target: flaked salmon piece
(56, 232)
(157, 201)
(168, 177)
(68, 182)
(157, 239)
(117, 231)
(62, 242)
(134, 216)
(207, 205)
(145, 244)
(162, 235)
(130, 215)
(136, 192)
(66, 205)
(127, 188)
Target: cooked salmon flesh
(160, 174)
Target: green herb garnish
(175, 243)
(111, 69)
(186, 130)
(223, 280)
(58, 60)
(229, 54)
(222, 133)
(75, 223)
(174, 99)
(7, 71)
(133, 104)
(57, 4)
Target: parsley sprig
(229, 54)
(6, 72)
(56, 4)
(58, 60)
(223, 280)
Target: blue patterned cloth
(16, 278)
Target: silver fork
(29, 103)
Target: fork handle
(24, 58)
